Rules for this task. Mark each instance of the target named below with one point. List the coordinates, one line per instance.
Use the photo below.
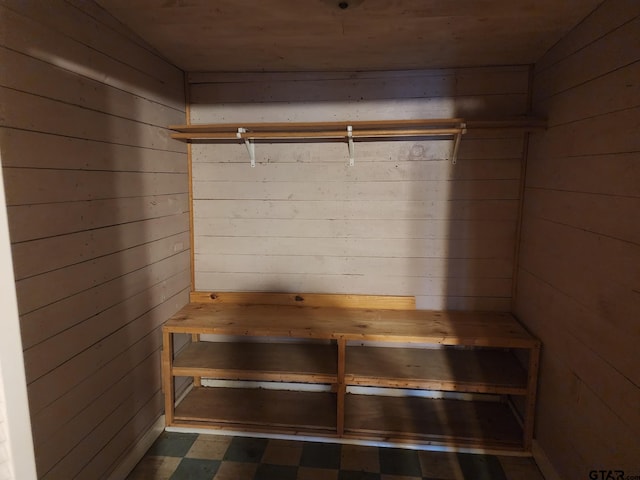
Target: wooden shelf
(368, 129)
(474, 353)
(241, 408)
(480, 424)
(314, 126)
(488, 329)
(349, 131)
(447, 369)
(281, 362)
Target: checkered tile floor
(187, 456)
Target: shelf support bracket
(456, 143)
(251, 147)
(351, 146)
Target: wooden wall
(579, 275)
(402, 221)
(97, 197)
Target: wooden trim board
(306, 299)
(187, 99)
(544, 464)
(311, 126)
(527, 123)
(167, 377)
(130, 460)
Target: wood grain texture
(374, 35)
(58, 284)
(48, 42)
(434, 229)
(116, 447)
(98, 202)
(34, 257)
(485, 371)
(305, 299)
(25, 149)
(48, 388)
(30, 222)
(566, 415)
(614, 50)
(58, 186)
(438, 421)
(320, 127)
(578, 281)
(304, 86)
(491, 210)
(416, 326)
(302, 220)
(63, 410)
(360, 265)
(438, 302)
(54, 318)
(478, 106)
(62, 17)
(505, 145)
(288, 355)
(141, 381)
(360, 191)
(411, 163)
(27, 111)
(393, 285)
(257, 408)
(595, 26)
(127, 420)
(259, 362)
(51, 353)
(43, 78)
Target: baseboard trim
(344, 441)
(544, 464)
(136, 453)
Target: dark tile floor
(189, 456)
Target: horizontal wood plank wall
(402, 221)
(579, 276)
(97, 197)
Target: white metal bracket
(251, 147)
(351, 147)
(456, 143)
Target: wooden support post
(187, 101)
(342, 388)
(530, 405)
(197, 381)
(167, 376)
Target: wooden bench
(485, 363)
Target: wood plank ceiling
(322, 35)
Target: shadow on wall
(402, 221)
(97, 204)
(483, 209)
(471, 216)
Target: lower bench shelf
(279, 362)
(465, 423)
(485, 364)
(255, 408)
(447, 369)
